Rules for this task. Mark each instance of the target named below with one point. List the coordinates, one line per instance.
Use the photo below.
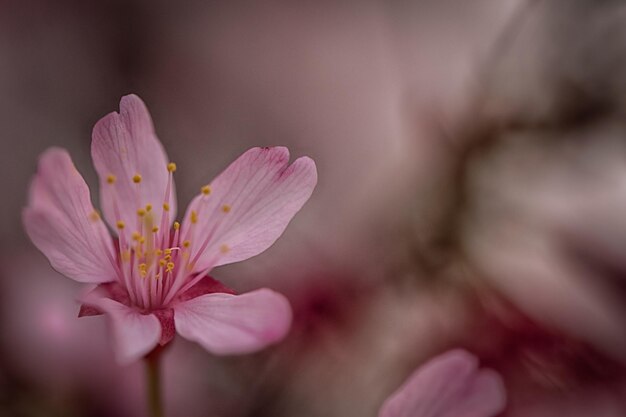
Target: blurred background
(472, 193)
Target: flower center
(156, 262)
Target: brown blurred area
(472, 192)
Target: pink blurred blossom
(450, 385)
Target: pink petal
(450, 385)
(124, 144)
(62, 223)
(134, 334)
(262, 194)
(227, 324)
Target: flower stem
(153, 379)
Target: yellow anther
(111, 179)
(194, 216)
(176, 225)
(162, 262)
(186, 243)
(136, 178)
(171, 167)
(126, 256)
(155, 229)
(148, 207)
(224, 248)
(143, 273)
(226, 208)
(94, 216)
(158, 252)
(136, 236)
(143, 266)
(168, 251)
(141, 212)
(142, 239)
(120, 224)
(169, 266)
(206, 190)
(167, 257)
(166, 207)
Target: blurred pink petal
(251, 203)
(62, 223)
(124, 145)
(450, 385)
(232, 324)
(134, 334)
(160, 268)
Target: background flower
(450, 384)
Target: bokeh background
(472, 193)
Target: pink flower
(152, 280)
(449, 385)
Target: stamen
(165, 217)
(137, 178)
(141, 212)
(186, 243)
(194, 217)
(94, 216)
(176, 238)
(155, 229)
(123, 245)
(169, 266)
(206, 190)
(125, 254)
(181, 288)
(226, 208)
(148, 207)
(224, 248)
